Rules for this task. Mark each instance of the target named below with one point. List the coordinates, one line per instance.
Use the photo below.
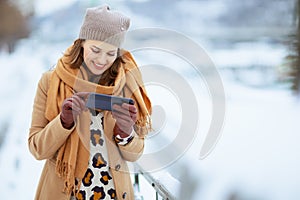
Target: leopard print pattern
(97, 182)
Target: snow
(257, 156)
(258, 152)
(18, 168)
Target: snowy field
(257, 156)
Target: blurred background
(255, 47)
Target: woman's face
(98, 55)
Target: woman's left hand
(126, 116)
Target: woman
(86, 150)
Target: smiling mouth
(98, 66)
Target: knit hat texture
(101, 23)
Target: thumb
(83, 95)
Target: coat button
(118, 166)
(124, 195)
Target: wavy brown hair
(75, 60)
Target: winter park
(223, 77)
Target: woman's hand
(72, 107)
(126, 116)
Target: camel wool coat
(46, 137)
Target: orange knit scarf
(72, 157)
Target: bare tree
(294, 57)
(13, 25)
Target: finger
(119, 116)
(75, 107)
(83, 95)
(120, 109)
(134, 117)
(125, 120)
(80, 102)
(67, 104)
(131, 110)
(129, 107)
(129, 116)
(123, 124)
(76, 113)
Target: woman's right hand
(72, 107)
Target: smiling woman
(86, 149)
(79, 55)
(98, 56)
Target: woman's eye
(111, 54)
(95, 51)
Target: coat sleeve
(132, 151)
(45, 137)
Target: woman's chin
(97, 73)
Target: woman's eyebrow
(98, 48)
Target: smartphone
(105, 102)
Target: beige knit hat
(100, 23)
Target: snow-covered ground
(257, 156)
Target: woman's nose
(101, 59)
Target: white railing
(165, 186)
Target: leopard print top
(97, 182)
